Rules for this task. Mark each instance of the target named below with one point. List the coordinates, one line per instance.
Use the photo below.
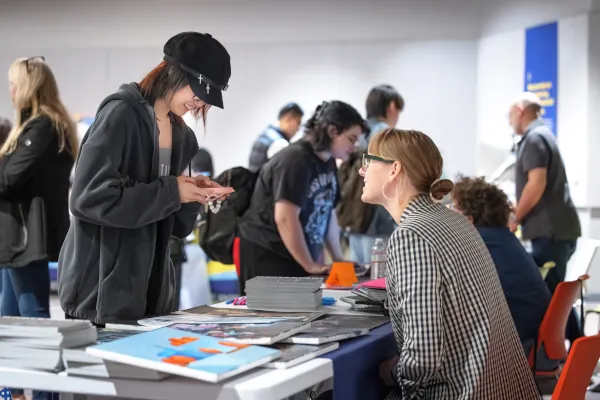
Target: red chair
(236, 255)
(550, 348)
(578, 370)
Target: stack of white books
(270, 293)
(36, 343)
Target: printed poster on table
(541, 69)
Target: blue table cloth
(356, 365)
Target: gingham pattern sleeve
(415, 304)
(453, 328)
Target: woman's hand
(204, 182)
(188, 191)
(386, 373)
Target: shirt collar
(417, 203)
(278, 130)
(533, 124)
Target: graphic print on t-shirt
(321, 200)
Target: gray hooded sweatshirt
(114, 264)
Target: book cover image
(247, 333)
(332, 328)
(294, 354)
(247, 314)
(185, 353)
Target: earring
(383, 191)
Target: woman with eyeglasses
(35, 163)
(292, 217)
(132, 188)
(454, 333)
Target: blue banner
(541, 68)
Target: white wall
(281, 51)
(288, 50)
(500, 66)
(133, 23)
(500, 77)
(272, 75)
(509, 15)
(501, 59)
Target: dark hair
(163, 81)
(5, 128)
(484, 202)
(291, 108)
(379, 100)
(202, 162)
(335, 114)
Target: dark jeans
(25, 292)
(558, 251)
(544, 250)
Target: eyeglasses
(367, 158)
(30, 60)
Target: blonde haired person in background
(454, 332)
(35, 163)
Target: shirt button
(28, 142)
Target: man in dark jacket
(276, 138)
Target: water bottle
(378, 259)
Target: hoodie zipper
(155, 161)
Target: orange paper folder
(342, 274)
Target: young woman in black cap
(130, 191)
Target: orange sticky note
(342, 274)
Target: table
(356, 365)
(356, 362)
(259, 384)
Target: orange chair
(550, 350)
(236, 255)
(578, 370)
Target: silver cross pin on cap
(207, 89)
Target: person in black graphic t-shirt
(291, 216)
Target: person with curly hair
(489, 209)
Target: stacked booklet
(35, 343)
(78, 363)
(272, 293)
(184, 353)
(369, 297)
(335, 327)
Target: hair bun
(440, 187)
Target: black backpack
(216, 232)
(354, 216)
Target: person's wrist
(308, 265)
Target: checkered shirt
(453, 328)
